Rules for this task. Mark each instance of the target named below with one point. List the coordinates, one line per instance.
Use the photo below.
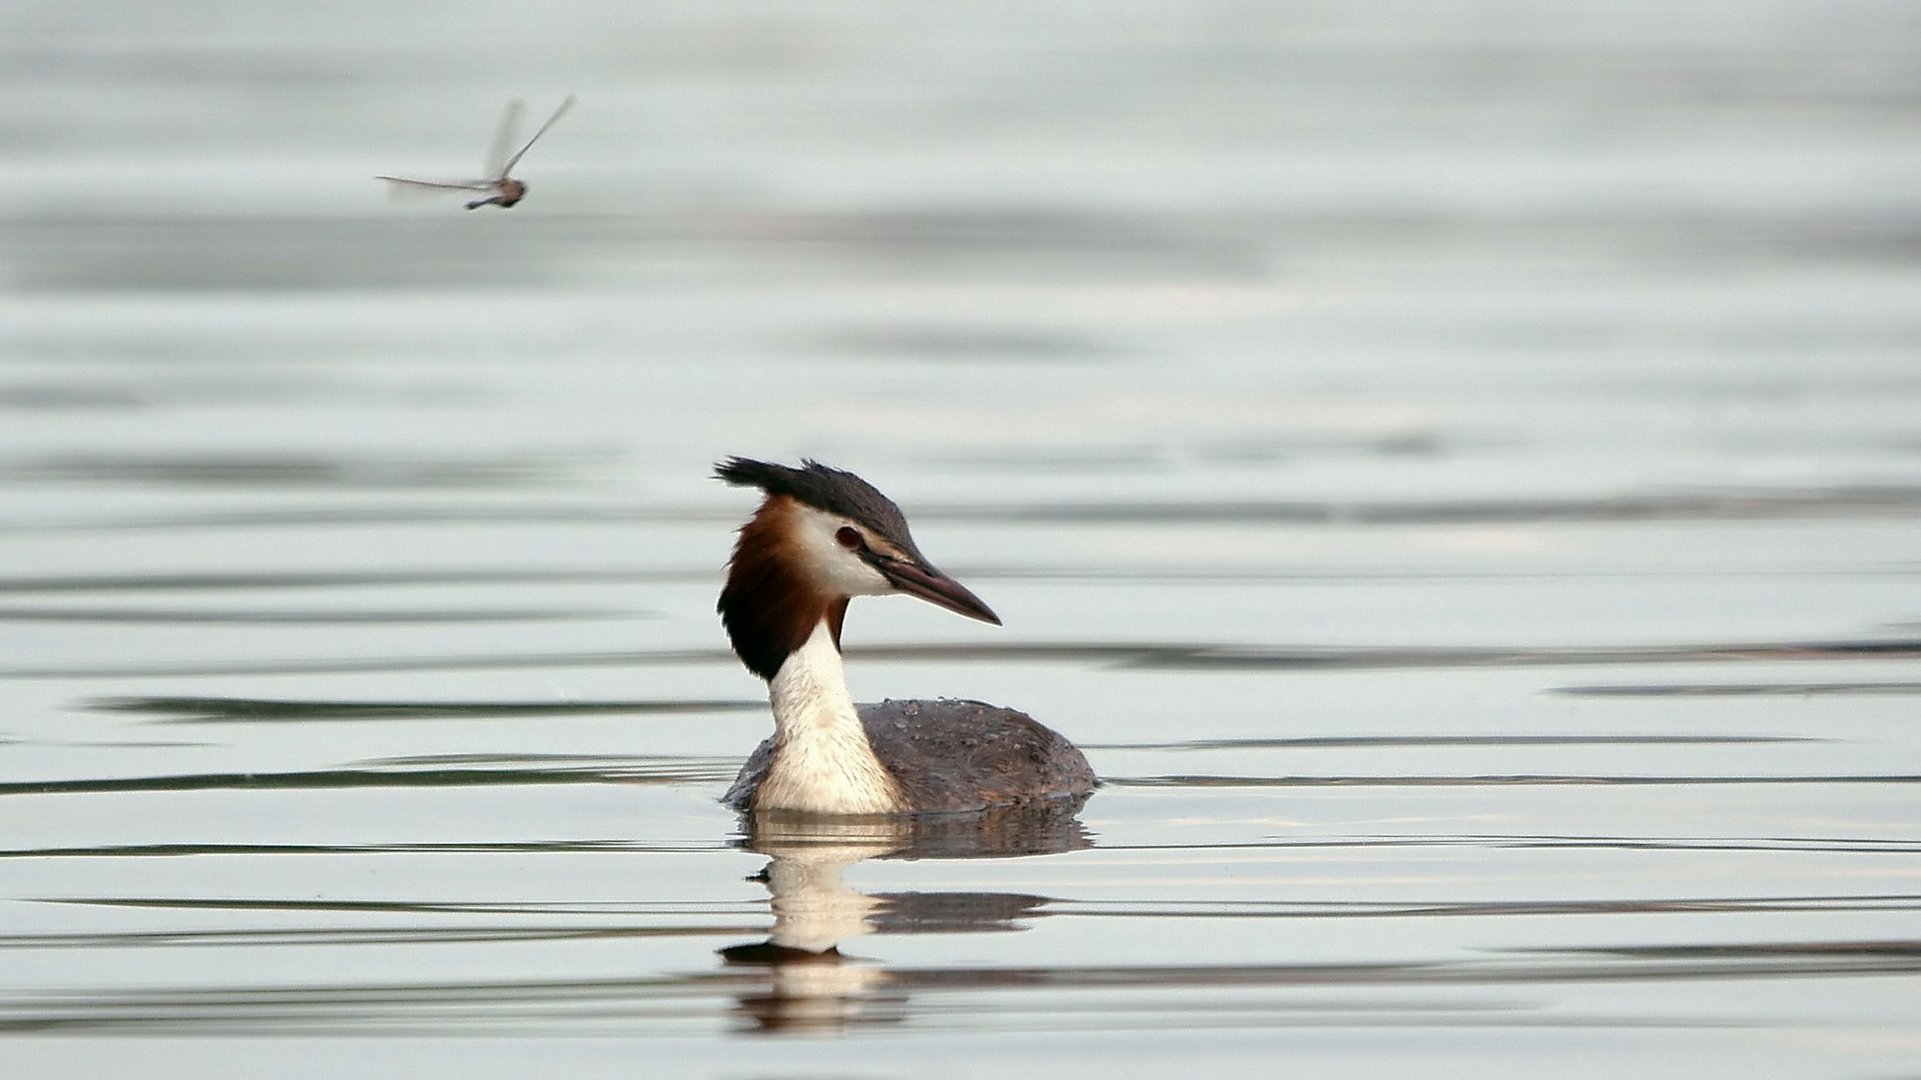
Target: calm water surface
(1455, 468)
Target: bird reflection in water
(812, 986)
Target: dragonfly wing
(403, 185)
(508, 166)
(497, 162)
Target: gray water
(1454, 467)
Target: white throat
(822, 762)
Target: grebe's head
(821, 536)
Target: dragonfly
(501, 188)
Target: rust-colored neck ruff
(768, 605)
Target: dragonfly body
(507, 192)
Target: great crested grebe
(821, 537)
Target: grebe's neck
(822, 762)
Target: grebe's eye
(848, 537)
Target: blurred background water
(1454, 466)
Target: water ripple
(188, 710)
(336, 579)
(1390, 741)
(1082, 996)
(1732, 504)
(1139, 655)
(207, 616)
(639, 771)
(297, 471)
(1201, 780)
(1786, 689)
